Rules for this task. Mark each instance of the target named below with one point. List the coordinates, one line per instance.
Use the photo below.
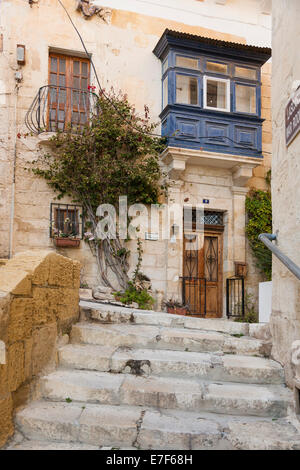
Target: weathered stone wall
(285, 320)
(39, 296)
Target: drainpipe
(13, 186)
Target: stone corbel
(88, 10)
(241, 174)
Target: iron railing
(66, 220)
(235, 297)
(57, 108)
(266, 239)
(194, 294)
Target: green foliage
(108, 158)
(251, 315)
(259, 210)
(114, 155)
(132, 294)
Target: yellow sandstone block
(6, 420)
(20, 319)
(45, 305)
(61, 271)
(15, 365)
(15, 281)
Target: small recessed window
(165, 92)
(244, 72)
(186, 89)
(245, 99)
(187, 62)
(216, 67)
(216, 94)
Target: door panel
(203, 259)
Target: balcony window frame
(257, 98)
(242, 66)
(227, 64)
(228, 93)
(68, 106)
(187, 56)
(198, 105)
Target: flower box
(178, 310)
(64, 242)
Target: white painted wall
(240, 17)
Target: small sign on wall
(292, 117)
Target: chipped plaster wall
(122, 52)
(39, 301)
(285, 320)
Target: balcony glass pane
(76, 82)
(187, 62)
(165, 92)
(76, 67)
(84, 83)
(84, 69)
(62, 66)
(62, 80)
(216, 67)
(216, 94)
(245, 99)
(243, 72)
(53, 64)
(186, 89)
(53, 79)
(165, 66)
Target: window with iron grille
(66, 221)
(203, 217)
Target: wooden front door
(202, 272)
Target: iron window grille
(66, 221)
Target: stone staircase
(131, 379)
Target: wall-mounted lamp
(20, 54)
(174, 233)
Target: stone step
(166, 393)
(72, 426)
(111, 314)
(228, 367)
(178, 339)
(50, 445)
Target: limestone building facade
(126, 43)
(285, 319)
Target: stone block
(45, 305)
(15, 281)
(15, 363)
(43, 348)
(20, 320)
(61, 272)
(76, 274)
(41, 273)
(3, 380)
(28, 358)
(7, 427)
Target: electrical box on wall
(20, 54)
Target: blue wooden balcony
(211, 94)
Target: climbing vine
(114, 155)
(259, 211)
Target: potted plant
(66, 238)
(177, 308)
